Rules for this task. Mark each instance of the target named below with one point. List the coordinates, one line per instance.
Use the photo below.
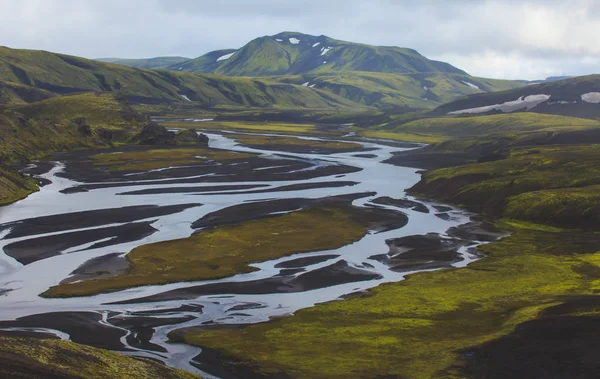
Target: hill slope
(63, 74)
(291, 53)
(153, 63)
(579, 97)
(386, 90)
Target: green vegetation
(64, 123)
(279, 127)
(161, 158)
(266, 141)
(62, 74)
(555, 185)
(394, 90)
(565, 98)
(507, 125)
(14, 186)
(226, 250)
(267, 56)
(538, 177)
(151, 63)
(57, 124)
(417, 328)
(35, 358)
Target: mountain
(153, 63)
(579, 97)
(387, 90)
(30, 75)
(291, 53)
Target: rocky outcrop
(191, 136)
(155, 134)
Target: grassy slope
(151, 63)
(33, 130)
(14, 186)
(36, 129)
(54, 359)
(432, 324)
(267, 56)
(63, 74)
(389, 90)
(567, 91)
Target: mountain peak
(294, 53)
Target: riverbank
(502, 316)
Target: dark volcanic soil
(557, 345)
(88, 219)
(83, 327)
(420, 252)
(35, 249)
(338, 273)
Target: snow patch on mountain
(325, 50)
(591, 97)
(225, 57)
(305, 84)
(471, 85)
(184, 97)
(522, 102)
(294, 41)
(278, 40)
(316, 44)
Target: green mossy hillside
(64, 123)
(14, 186)
(298, 53)
(421, 327)
(151, 63)
(30, 358)
(554, 185)
(63, 74)
(395, 90)
(60, 123)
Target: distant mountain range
(372, 76)
(291, 53)
(152, 63)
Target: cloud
(509, 38)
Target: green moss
(34, 358)
(162, 158)
(416, 328)
(256, 140)
(14, 186)
(226, 250)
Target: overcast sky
(512, 39)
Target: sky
(507, 39)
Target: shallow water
(25, 283)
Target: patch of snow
(528, 102)
(591, 97)
(294, 41)
(325, 50)
(324, 62)
(279, 40)
(425, 88)
(471, 85)
(305, 84)
(180, 68)
(312, 85)
(202, 119)
(184, 97)
(225, 57)
(316, 44)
